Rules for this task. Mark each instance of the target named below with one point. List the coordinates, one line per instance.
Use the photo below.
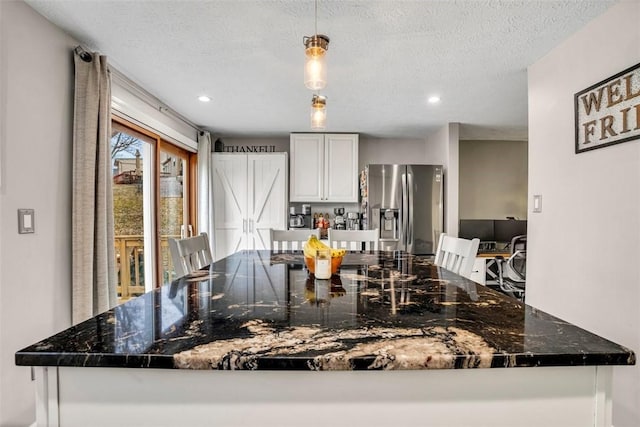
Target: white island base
(499, 397)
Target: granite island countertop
(258, 310)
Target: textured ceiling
(385, 59)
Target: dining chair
(289, 240)
(354, 240)
(190, 254)
(457, 254)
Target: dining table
(255, 339)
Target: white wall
(583, 249)
(37, 106)
(493, 179)
(371, 150)
(3, 113)
(437, 147)
(443, 148)
(391, 151)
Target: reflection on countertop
(384, 310)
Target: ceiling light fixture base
(316, 45)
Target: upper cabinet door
(324, 167)
(341, 168)
(307, 167)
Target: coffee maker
(353, 221)
(299, 220)
(338, 220)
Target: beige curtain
(93, 253)
(205, 188)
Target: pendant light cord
(316, 16)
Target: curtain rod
(83, 54)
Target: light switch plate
(537, 203)
(26, 222)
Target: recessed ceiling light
(204, 98)
(434, 99)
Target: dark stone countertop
(385, 310)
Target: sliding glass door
(153, 200)
(174, 211)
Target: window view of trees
(128, 209)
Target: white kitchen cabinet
(324, 167)
(249, 198)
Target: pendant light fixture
(318, 112)
(315, 67)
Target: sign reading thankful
(221, 147)
(609, 112)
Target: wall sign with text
(220, 147)
(608, 112)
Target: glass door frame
(189, 205)
(153, 264)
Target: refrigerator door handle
(404, 238)
(410, 204)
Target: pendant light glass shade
(318, 112)
(315, 67)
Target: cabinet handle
(244, 225)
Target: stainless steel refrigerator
(405, 202)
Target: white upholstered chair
(456, 254)
(353, 240)
(190, 254)
(290, 240)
